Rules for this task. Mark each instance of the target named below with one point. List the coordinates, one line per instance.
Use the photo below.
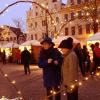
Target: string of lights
(70, 89)
(13, 82)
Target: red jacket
(97, 52)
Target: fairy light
(51, 91)
(19, 92)
(76, 14)
(64, 94)
(9, 80)
(6, 75)
(13, 82)
(97, 74)
(72, 86)
(54, 92)
(97, 20)
(86, 78)
(80, 83)
(87, 14)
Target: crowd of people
(61, 68)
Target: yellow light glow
(64, 94)
(51, 91)
(72, 86)
(80, 83)
(19, 92)
(98, 74)
(54, 92)
(13, 82)
(22, 48)
(6, 75)
(86, 78)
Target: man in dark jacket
(25, 59)
(50, 60)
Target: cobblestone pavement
(32, 88)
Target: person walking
(96, 57)
(80, 56)
(86, 59)
(25, 59)
(69, 68)
(50, 60)
(4, 57)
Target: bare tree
(19, 23)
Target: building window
(57, 19)
(44, 23)
(86, 0)
(14, 38)
(36, 14)
(11, 38)
(36, 7)
(35, 24)
(78, 1)
(87, 28)
(31, 37)
(43, 35)
(54, 0)
(35, 36)
(72, 16)
(80, 29)
(79, 14)
(66, 31)
(72, 2)
(73, 30)
(66, 17)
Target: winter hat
(48, 40)
(67, 43)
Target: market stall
(58, 40)
(33, 46)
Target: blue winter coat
(51, 72)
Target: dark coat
(51, 72)
(25, 57)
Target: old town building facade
(64, 22)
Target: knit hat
(67, 43)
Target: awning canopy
(11, 45)
(31, 42)
(95, 37)
(60, 38)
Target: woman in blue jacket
(50, 60)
